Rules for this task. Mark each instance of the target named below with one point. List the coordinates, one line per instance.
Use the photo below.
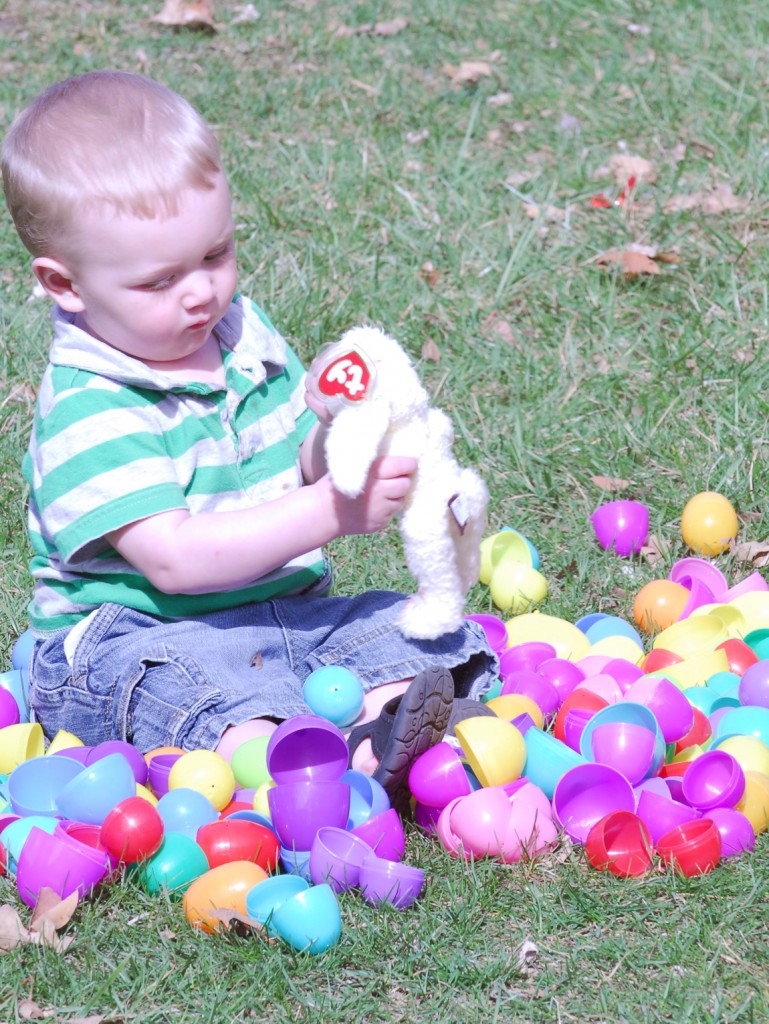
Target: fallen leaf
(247, 14)
(629, 165)
(635, 259)
(500, 99)
(430, 273)
(720, 199)
(497, 325)
(610, 483)
(469, 72)
(528, 954)
(51, 908)
(237, 922)
(195, 14)
(414, 138)
(431, 352)
(755, 551)
(28, 1009)
(390, 28)
(548, 212)
(12, 931)
(654, 550)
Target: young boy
(178, 495)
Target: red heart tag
(347, 375)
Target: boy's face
(155, 289)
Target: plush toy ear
(353, 443)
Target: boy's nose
(199, 290)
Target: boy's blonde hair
(106, 138)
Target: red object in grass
(239, 839)
(133, 830)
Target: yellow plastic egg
(516, 587)
(207, 772)
(493, 747)
(755, 800)
(709, 523)
(510, 705)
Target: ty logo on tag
(347, 375)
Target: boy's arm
(180, 553)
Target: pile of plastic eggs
(632, 753)
(270, 837)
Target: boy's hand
(387, 487)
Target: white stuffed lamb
(382, 409)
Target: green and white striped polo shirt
(115, 441)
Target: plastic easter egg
(384, 881)
(480, 821)
(91, 794)
(133, 830)
(64, 740)
(9, 709)
(56, 861)
(185, 810)
(517, 588)
(585, 794)
(129, 752)
(178, 861)
(221, 888)
(739, 655)
(335, 693)
(621, 525)
(207, 772)
(755, 801)
(709, 523)
(494, 548)
(310, 921)
(621, 843)
(494, 749)
(494, 629)
(249, 762)
(568, 641)
(34, 785)
(21, 652)
(19, 743)
(691, 636)
(737, 835)
(15, 682)
(750, 753)
(16, 833)
(754, 685)
(693, 848)
(235, 839)
(510, 705)
(659, 604)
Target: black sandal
(410, 724)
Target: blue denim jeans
(154, 682)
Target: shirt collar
(255, 346)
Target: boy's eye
(220, 253)
(157, 286)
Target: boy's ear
(57, 280)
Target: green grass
(355, 162)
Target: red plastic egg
(234, 839)
(133, 830)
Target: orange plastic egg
(659, 604)
(222, 888)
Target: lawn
(459, 174)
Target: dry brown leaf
(390, 28)
(187, 14)
(52, 909)
(754, 551)
(631, 262)
(721, 199)
(430, 273)
(610, 483)
(12, 930)
(630, 165)
(469, 72)
(237, 922)
(430, 351)
(654, 550)
(28, 1009)
(548, 212)
(501, 328)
